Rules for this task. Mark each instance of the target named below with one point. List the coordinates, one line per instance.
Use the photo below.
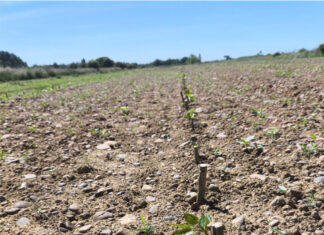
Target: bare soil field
(86, 159)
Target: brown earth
(69, 145)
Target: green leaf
(181, 225)
(313, 136)
(182, 231)
(204, 221)
(278, 232)
(191, 219)
(143, 221)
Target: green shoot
(194, 225)
(217, 152)
(305, 122)
(71, 131)
(273, 134)
(246, 141)
(146, 230)
(87, 160)
(314, 198)
(261, 113)
(190, 96)
(25, 157)
(32, 129)
(124, 109)
(313, 146)
(278, 232)
(191, 114)
(2, 155)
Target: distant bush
(40, 73)
(276, 54)
(321, 49)
(93, 64)
(121, 65)
(73, 65)
(6, 76)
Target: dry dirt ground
(73, 162)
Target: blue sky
(64, 32)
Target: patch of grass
(284, 73)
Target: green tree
(83, 63)
(105, 62)
(321, 49)
(93, 64)
(11, 60)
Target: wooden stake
(202, 183)
(196, 149)
(196, 154)
(192, 124)
(217, 229)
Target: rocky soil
(75, 162)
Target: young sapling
(246, 141)
(193, 225)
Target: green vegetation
(124, 109)
(278, 231)
(314, 198)
(102, 65)
(246, 142)
(302, 53)
(10, 60)
(273, 134)
(191, 114)
(101, 133)
(9, 90)
(217, 153)
(194, 225)
(285, 73)
(2, 154)
(313, 149)
(146, 230)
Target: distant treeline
(15, 69)
(304, 53)
(105, 62)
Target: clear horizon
(65, 32)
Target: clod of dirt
(278, 201)
(84, 169)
